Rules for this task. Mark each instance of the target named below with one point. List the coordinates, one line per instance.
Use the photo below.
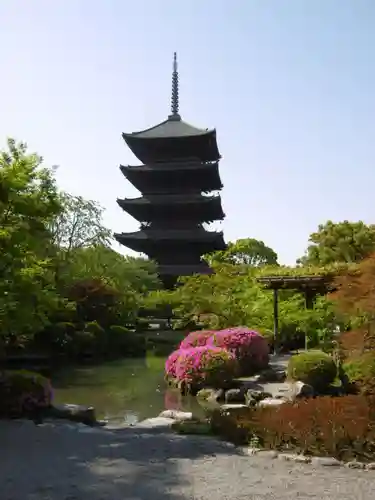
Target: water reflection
(125, 391)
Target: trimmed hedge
(23, 393)
(315, 368)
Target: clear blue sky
(288, 84)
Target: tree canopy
(52, 246)
(246, 251)
(340, 242)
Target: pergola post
(309, 304)
(276, 320)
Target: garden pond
(124, 391)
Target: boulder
(252, 397)
(271, 402)
(301, 390)
(155, 423)
(211, 395)
(179, 416)
(235, 395)
(74, 413)
(233, 409)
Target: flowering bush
(196, 339)
(171, 362)
(23, 392)
(205, 366)
(248, 346)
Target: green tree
(78, 226)
(339, 242)
(119, 271)
(28, 202)
(247, 251)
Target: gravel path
(53, 462)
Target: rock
(301, 390)
(211, 395)
(355, 465)
(232, 409)
(74, 413)
(271, 402)
(235, 395)
(157, 422)
(326, 461)
(253, 397)
(370, 466)
(176, 415)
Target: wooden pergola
(310, 286)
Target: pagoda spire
(174, 100)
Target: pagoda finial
(174, 100)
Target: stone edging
(317, 461)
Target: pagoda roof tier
(147, 239)
(162, 177)
(194, 207)
(173, 139)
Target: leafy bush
(360, 373)
(315, 368)
(196, 339)
(23, 392)
(125, 342)
(205, 366)
(248, 346)
(340, 427)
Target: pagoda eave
(145, 240)
(165, 148)
(154, 178)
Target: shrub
(340, 427)
(171, 363)
(248, 346)
(360, 373)
(205, 366)
(23, 392)
(315, 368)
(196, 339)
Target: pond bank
(58, 463)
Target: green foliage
(245, 251)
(23, 393)
(28, 202)
(233, 297)
(342, 242)
(360, 372)
(125, 341)
(315, 368)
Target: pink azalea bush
(171, 362)
(196, 339)
(205, 366)
(248, 346)
(23, 392)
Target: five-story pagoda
(180, 168)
